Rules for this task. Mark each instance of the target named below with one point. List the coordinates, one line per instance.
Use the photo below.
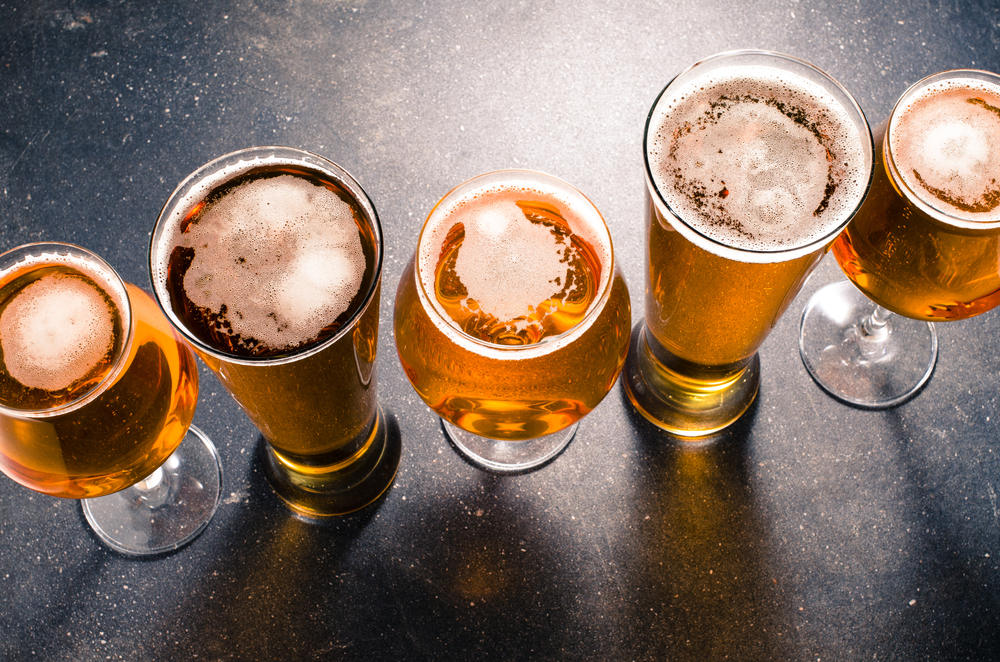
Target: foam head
(55, 331)
(277, 258)
(756, 158)
(945, 142)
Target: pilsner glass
(97, 393)
(925, 244)
(512, 319)
(269, 261)
(755, 161)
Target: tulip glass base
(873, 362)
(508, 457)
(166, 510)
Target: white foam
(508, 264)
(953, 145)
(730, 153)
(55, 331)
(283, 255)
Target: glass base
(343, 489)
(692, 407)
(166, 510)
(508, 457)
(862, 370)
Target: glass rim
(546, 344)
(762, 255)
(256, 157)
(913, 197)
(113, 280)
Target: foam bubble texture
(756, 158)
(281, 255)
(946, 144)
(55, 331)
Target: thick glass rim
(9, 261)
(794, 65)
(548, 344)
(246, 160)
(913, 197)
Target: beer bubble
(55, 331)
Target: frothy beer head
(60, 330)
(266, 261)
(945, 142)
(755, 158)
(514, 260)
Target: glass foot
(508, 457)
(873, 371)
(167, 509)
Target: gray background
(808, 531)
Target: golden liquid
(317, 411)
(523, 393)
(707, 310)
(916, 265)
(122, 435)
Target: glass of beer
(97, 393)
(269, 262)
(925, 245)
(755, 161)
(512, 319)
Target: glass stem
(873, 333)
(152, 490)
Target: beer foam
(278, 258)
(508, 264)
(55, 331)
(756, 158)
(945, 142)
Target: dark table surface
(809, 531)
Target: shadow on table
(706, 591)
(436, 579)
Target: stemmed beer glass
(97, 393)
(925, 245)
(512, 319)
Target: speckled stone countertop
(809, 531)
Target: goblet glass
(512, 319)
(97, 393)
(925, 245)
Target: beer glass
(755, 161)
(512, 319)
(925, 244)
(97, 393)
(269, 261)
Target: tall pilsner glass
(512, 319)
(269, 261)
(97, 393)
(925, 245)
(755, 161)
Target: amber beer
(754, 162)
(512, 319)
(926, 244)
(269, 261)
(96, 389)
